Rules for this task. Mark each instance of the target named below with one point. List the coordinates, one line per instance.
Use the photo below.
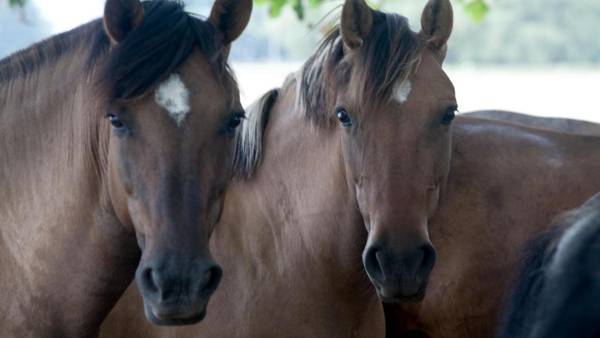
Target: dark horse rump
(558, 291)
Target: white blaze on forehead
(402, 91)
(174, 96)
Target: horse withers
(558, 291)
(117, 143)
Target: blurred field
(559, 92)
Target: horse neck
(297, 206)
(52, 147)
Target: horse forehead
(431, 80)
(174, 97)
(420, 95)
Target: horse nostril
(149, 280)
(373, 263)
(212, 278)
(428, 258)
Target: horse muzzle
(399, 278)
(174, 295)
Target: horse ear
(121, 17)
(357, 22)
(436, 23)
(231, 17)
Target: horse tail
(249, 140)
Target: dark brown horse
(117, 143)
(563, 125)
(360, 158)
(558, 292)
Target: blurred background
(540, 57)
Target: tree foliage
(476, 9)
(17, 3)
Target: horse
(291, 262)
(117, 142)
(359, 163)
(550, 123)
(558, 289)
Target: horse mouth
(157, 317)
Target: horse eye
(115, 121)
(449, 116)
(344, 118)
(234, 122)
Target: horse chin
(394, 297)
(172, 319)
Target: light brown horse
(115, 137)
(563, 125)
(360, 149)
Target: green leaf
(298, 6)
(315, 3)
(299, 9)
(17, 3)
(477, 10)
(276, 7)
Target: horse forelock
(385, 61)
(151, 53)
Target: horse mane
(388, 56)
(149, 54)
(249, 140)
(557, 270)
(27, 61)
